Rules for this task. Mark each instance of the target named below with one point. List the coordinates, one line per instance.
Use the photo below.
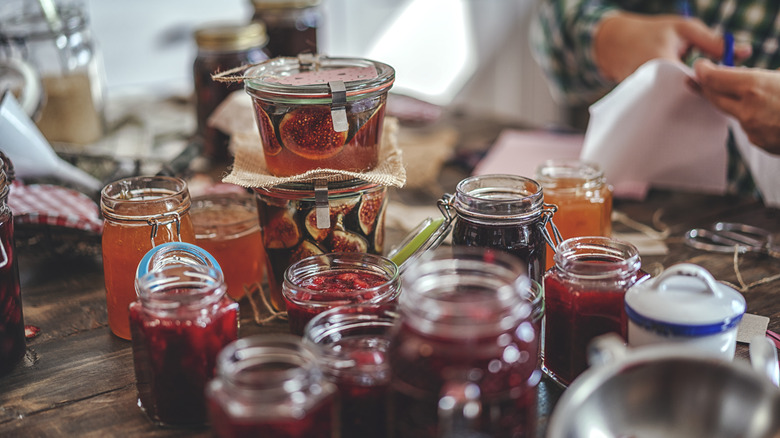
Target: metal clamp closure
(165, 219)
(445, 206)
(321, 205)
(548, 210)
(338, 107)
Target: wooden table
(77, 378)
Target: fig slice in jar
(308, 131)
(307, 248)
(281, 231)
(347, 241)
(268, 137)
(370, 206)
(379, 231)
(338, 209)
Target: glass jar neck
(597, 258)
(498, 199)
(145, 199)
(570, 175)
(180, 287)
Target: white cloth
(764, 167)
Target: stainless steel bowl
(668, 392)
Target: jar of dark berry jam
(350, 343)
(319, 112)
(292, 25)
(463, 353)
(180, 322)
(271, 386)
(299, 220)
(321, 282)
(12, 343)
(505, 212)
(222, 47)
(584, 295)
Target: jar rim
(222, 203)
(498, 198)
(177, 286)
(586, 174)
(306, 189)
(154, 191)
(597, 257)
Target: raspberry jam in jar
(583, 198)
(351, 346)
(318, 283)
(299, 220)
(504, 212)
(12, 343)
(319, 112)
(270, 386)
(463, 354)
(584, 295)
(180, 322)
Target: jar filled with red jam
(292, 25)
(318, 283)
(299, 220)
(12, 343)
(222, 47)
(319, 112)
(584, 295)
(179, 324)
(351, 346)
(463, 353)
(504, 212)
(270, 386)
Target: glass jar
(584, 295)
(70, 67)
(12, 342)
(222, 47)
(226, 226)
(292, 25)
(505, 212)
(318, 112)
(318, 283)
(463, 354)
(299, 220)
(140, 213)
(179, 324)
(583, 198)
(271, 386)
(350, 343)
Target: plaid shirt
(562, 40)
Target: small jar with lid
(271, 386)
(222, 47)
(12, 342)
(319, 112)
(583, 198)
(179, 324)
(583, 295)
(140, 213)
(299, 220)
(292, 25)
(505, 212)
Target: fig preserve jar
(299, 220)
(321, 282)
(505, 212)
(179, 324)
(319, 112)
(583, 198)
(292, 25)
(351, 346)
(271, 386)
(222, 47)
(12, 342)
(584, 295)
(140, 213)
(463, 353)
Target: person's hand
(750, 95)
(624, 41)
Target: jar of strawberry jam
(271, 386)
(321, 282)
(584, 295)
(505, 212)
(12, 343)
(179, 324)
(299, 220)
(319, 112)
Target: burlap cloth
(235, 117)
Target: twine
(258, 312)
(744, 287)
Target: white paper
(652, 130)
(764, 167)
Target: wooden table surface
(77, 378)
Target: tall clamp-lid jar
(292, 25)
(12, 343)
(319, 112)
(505, 212)
(222, 47)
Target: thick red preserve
(12, 343)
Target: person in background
(586, 47)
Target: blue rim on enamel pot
(685, 304)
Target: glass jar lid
(284, 4)
(231, 37)
(685, 300)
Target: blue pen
(728, 49)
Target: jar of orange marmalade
(583, 197)
(140, 213)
